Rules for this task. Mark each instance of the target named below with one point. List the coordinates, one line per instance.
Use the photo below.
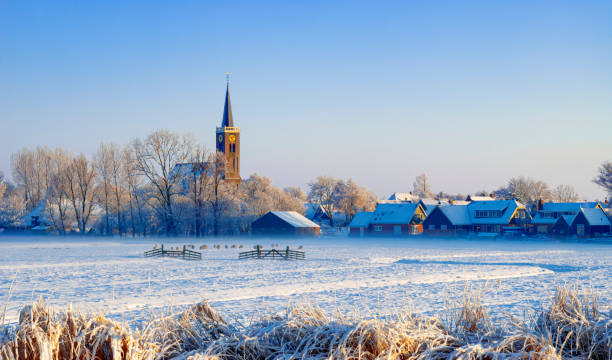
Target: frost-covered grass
(575, 325)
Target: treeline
(139, 190)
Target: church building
(228, 142)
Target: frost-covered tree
(57, 207)
(81, 190)
(352, 198)
(604, 177)
(324, 191)
(155, 157)
(421, 187)
(30, 175)
(525, 190)
(296, 193)
(564, 193)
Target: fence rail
(184, 254)
(273, 254)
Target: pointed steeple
(228, 119)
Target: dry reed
(574, 326)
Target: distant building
(550, 212)
(228, 142)
(316, 213)
(402, 197)
(471, 198)
(488, 216)
(590, 222)
(448, 220)
(360, 223)
(401, 218)
(288, 223)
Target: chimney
(540, 205)
(451, 201)
(492, 195)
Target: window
(377, 227)
(580, 229)
(443, 227)
(432, 227)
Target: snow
(372, 276)
(394, 213)
(295, 219)
(361, 219)
(457, 214)
(596, 217)
(568, 206)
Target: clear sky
(471, 93)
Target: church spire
(228, 119)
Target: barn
(288, 223)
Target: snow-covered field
(368, 276)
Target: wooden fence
(259, 253)
(184, 254)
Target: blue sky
(471, 93)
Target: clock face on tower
(232, 138)
(220, 139)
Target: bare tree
(421, 187)
(156, 156)
(526, 190)
(565, 193)
(604, 177)
(81, 177)
(218, 194)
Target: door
(580, 229)
(361, 231)
(397, 229)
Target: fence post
(287, 252)
(184, 251)
(258, 251)
(162, 250)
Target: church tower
(228, 141)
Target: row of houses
(483, 216)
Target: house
(430, 204)
(316, 213)
(397, 218)
(550, 212)
(285, 223)
(563, 225)
(360, 223)
(471, 198)
(448, 220)
(498, 216)
(402, 197)
(590, 222)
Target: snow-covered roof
(569, 219)
(295, 219)
(457, 214)
(596, 217)
(461, 202)
(542, 220)
(402, 196)
(394, 213)
(568, 206)
(507, 207)
(479, 198)
(361, 219)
